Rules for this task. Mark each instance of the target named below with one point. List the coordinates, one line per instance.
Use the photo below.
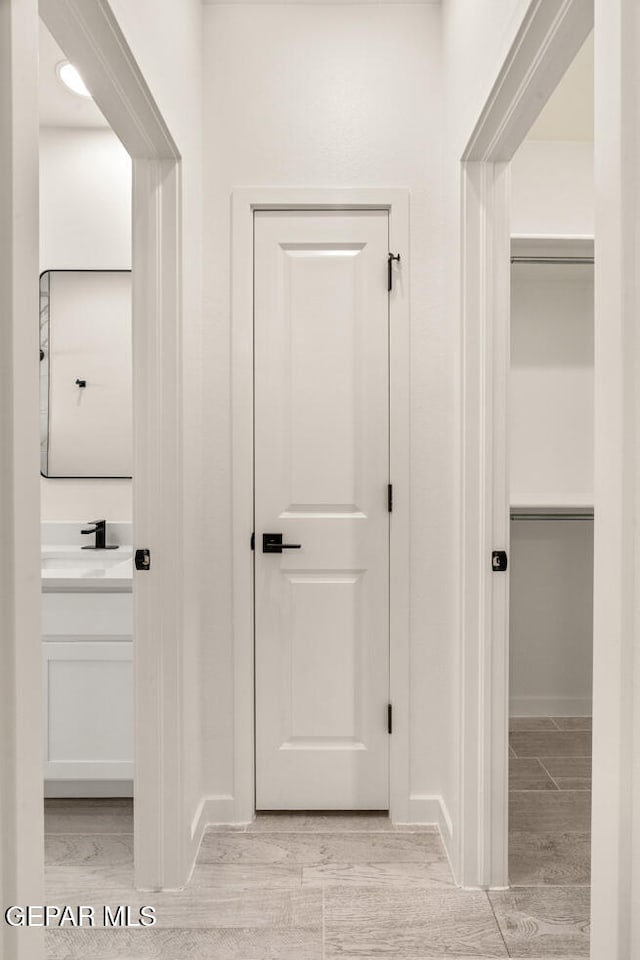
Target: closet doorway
(551, 467)
(542, 54)
(551, 581)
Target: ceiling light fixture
(72, 80)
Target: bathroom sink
(58, 561)
(71, 563)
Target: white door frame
(615, 849)
(244, 202)
(548, 40)
(21, 818)
(91, 37)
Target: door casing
(245, 202)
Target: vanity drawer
(87, 614)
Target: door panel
(321, 474)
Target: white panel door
(321, 476)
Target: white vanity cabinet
(88, 693)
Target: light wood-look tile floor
(347, 887)
(549, 836)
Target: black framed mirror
(86, 408)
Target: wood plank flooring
(351, 887)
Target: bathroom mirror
(85, 373)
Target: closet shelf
(551, 511)
(556, 247)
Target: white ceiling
(60, 107)
(568, 114)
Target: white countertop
(70, 568)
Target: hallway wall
(336, 95)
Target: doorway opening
(93, 43)
(551, 390)
(551, 503)
(512, 109)
(86, 466)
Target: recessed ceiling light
(72, 79)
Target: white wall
(551, 617)
(85, 200)
(335, 95)
(477, 35)
(552, 188)
(85, 223)
(551, 386)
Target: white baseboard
(94, 789)
(423, 809)
(212, 810)
(550, 706)
(431, 809)
(216, 808)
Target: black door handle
(272, 543)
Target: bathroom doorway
(85, 207)
(130, 690)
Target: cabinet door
(88, 710)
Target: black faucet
(100, 530)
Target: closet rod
(553, 260)
(552, 516)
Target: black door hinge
(390, 259)
(390, 497)
(253, 541)
(499, 561)
(389, 718)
